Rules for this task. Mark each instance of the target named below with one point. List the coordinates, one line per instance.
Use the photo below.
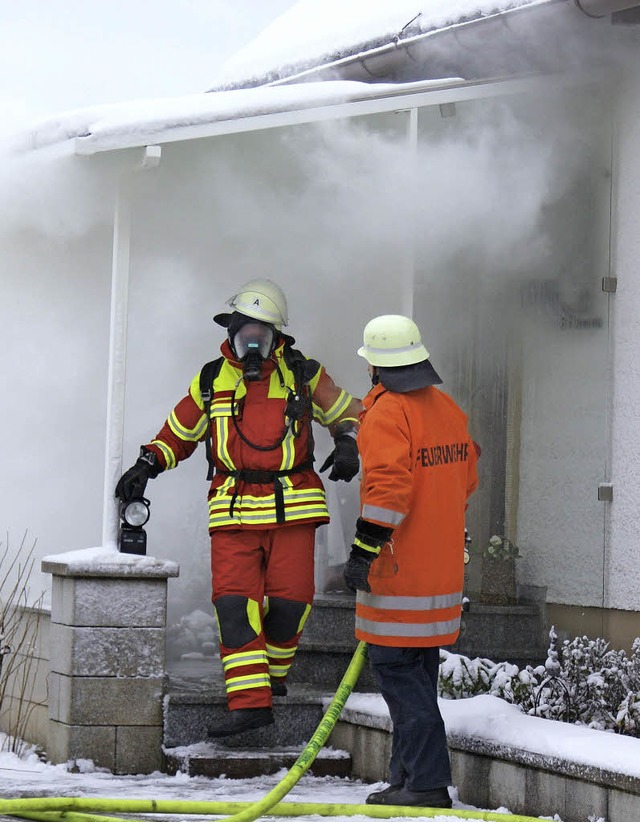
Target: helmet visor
(253, 337)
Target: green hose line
(282, 809)
(72, 809)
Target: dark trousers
(408, 682)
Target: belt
(242, 475)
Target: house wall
(55, 267)
(623, 568)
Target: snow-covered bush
(585, 682)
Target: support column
(108, 625)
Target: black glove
(344, 459)
(366, 546)
(356, 572)
(132, 483)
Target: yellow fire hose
(77, 809)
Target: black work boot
(278, 687)
(380, 797)
(435, 798)
(243, 719)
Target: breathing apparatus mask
(252, 343)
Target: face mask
(252, 345)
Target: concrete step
(189, 713)
(504, 633)
(212, 760)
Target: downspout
(116, 380)
(410, 251)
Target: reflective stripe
(288, 452)
(187, 434)
(339, 406)
(382, 514)
(375, 551)
(222, 442)
(218, 518)
(244, 658)
(398, 603)
(254, 616)
(303, 618)
(241, 683)
(280, 653)
(167, 453)
(279, 670)
(408, 629)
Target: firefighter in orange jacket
(253, 407)
(406, 562)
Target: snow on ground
(31, 777)
(484, 717)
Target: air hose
(77, 809)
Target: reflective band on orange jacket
(418, 469)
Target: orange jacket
(418, 469)
(259, 414)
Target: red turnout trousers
(263, 587)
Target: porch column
(108, 624)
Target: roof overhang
(366, 100)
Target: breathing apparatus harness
(298, 413)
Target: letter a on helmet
(392, 340)
(262, 300)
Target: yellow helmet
(392, 340)
(263, 300)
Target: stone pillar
(108, 623)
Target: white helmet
(392, 340)
(263, 300)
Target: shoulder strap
(304, 370)
(208, 375)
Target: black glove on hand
(356, 572)
(344, 459)
(133, 482)
(366, 546)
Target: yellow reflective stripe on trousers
(242, 683)
(279, 670)
(280, 653)
(244, 658)
(414, 630)
(403, 603)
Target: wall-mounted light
(134, 514)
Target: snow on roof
(315, 32)
(144, 122)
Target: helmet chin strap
(375, 375)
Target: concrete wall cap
(107, 562)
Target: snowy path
(33, 778)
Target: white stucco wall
(623, 559)
(55, 241)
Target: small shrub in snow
(585, 682)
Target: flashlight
(134, 514)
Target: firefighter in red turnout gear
(253, 407)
